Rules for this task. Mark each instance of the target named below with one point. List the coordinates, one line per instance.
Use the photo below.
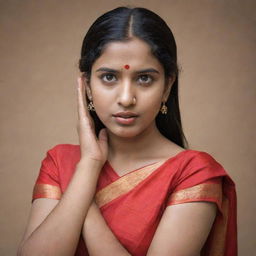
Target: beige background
(40, 45)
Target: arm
(59, 232)
(183, 229)
(98, 237)
(64, 220)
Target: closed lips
(125, 115)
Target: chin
(125, 132)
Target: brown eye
(108, 78)
(145, 79)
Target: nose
(126, 94)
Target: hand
(91, 147)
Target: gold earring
(164, 109)
(91, 106)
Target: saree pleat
(219, 231)
(222, 239)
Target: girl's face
(128, 78)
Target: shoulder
(199, 164)
(192, 156)
(59, 165)
(64, 153)
(188, 157)
(61, 149)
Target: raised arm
(55, 227)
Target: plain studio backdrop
(40, 46)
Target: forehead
(135, 53)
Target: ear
(170, 81)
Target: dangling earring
(91, 106)
(164, 109)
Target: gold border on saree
(46, 191)
(124, 184)
(201, 191)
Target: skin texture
(119, 88)
(52, 221)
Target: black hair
(121, 24)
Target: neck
(136, 147)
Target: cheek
(152, 101)
(102, 102)
(151, 108)
(99, 95)
(154, 108)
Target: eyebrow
(147, 70)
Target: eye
(108, 77)
(145, 79)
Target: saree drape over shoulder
(133, 204)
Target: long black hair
(120, 24)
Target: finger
(81, 100)
(83, 112)
(103, 135)
(103, 141)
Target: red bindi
(126, 66)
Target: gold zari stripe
(46, 191)
(124, 184)
(201, 191)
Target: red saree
(132, 205)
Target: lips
(125, 118)
(125, 114)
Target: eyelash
(113, 75)
(105, 75)
(150, 78)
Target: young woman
(131, 187)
